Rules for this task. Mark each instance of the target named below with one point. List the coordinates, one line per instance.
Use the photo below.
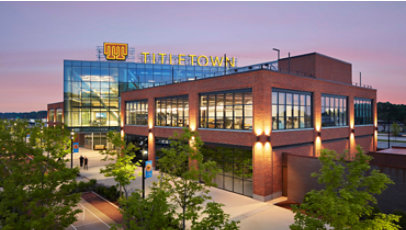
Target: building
(249, 117)
(92, 89)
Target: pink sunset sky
(37, 37)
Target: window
(172, 111)
(363, 111)
(136, 112)
(291, 109)
(59, 115)
(226, 110)
(333, 110)
(51, 115)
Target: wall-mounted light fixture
(376, 128)
(319, 134)
(268, 138)
(150, 130)
(258, 138)
(353, 130)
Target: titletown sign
(120, 51)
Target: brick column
(151, 135)
(262, 149)
(316, 110)
(193, 111)
(351, 119)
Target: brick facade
(52, 120)
(267, 156)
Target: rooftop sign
(115, 51)
(121, 52)
(190, 59)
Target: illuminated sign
(115, 51)
(191, 59)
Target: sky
(36, 37)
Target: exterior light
(150, 130)
(376, 128)
(258, 138)
(319, 134)
(268, 138)
(72, 135)
(353, 130)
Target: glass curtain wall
(92, 88)
(136, 112)
(363, 111)
(226, 109)
(235, 164)
(291, 109)
(333, 110)
(172, 111)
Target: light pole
(72, 135)
(279, 52)
(143, 161)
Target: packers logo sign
(115, 51)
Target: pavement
(251, 213)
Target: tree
(347, 200)
(395, 129)
(35, 184)
(123, 154)
(152, 213)
(178, 187)
(183, 167)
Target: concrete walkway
(251, 213)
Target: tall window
(291, 109)
(333, 110)
(226, 109)
(51, 115)
(136, 112)
(59, 115)
(363, 111)
(172, 111)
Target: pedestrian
(86, 161)
(81, 161)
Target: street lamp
(72, 136)
(143, 161)
(277, 50)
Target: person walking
(86, 162)
(81, 160)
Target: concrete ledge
(268, 197)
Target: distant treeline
(30, 115)
(391, 112)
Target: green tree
(35, 184)
(184, 168)
(395, 129)
(123, 168)
(152, 213)
(347, 200)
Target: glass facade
(333, 110)
(172, 111)
(291, 109)
(51, 115)
(136, 112)
(92, 88)
(235, 164)
(226, 109)
(363, 111)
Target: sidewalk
(251, 213)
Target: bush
(402, 221)
(109, 192)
